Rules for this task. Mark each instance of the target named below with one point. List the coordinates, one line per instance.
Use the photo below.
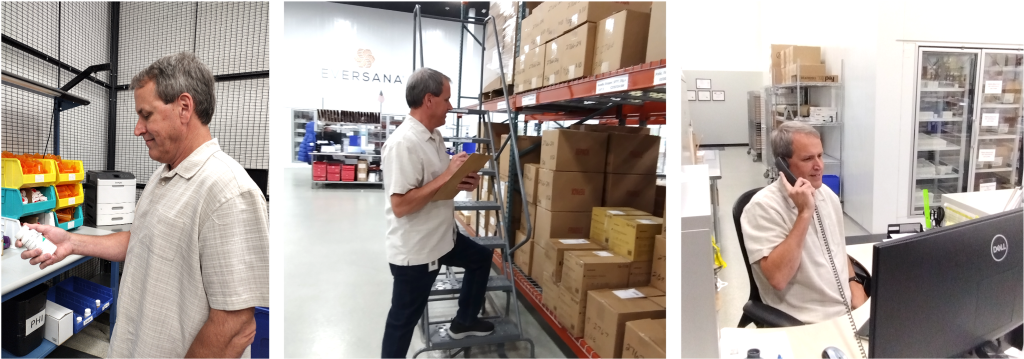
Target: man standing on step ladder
(421, 234)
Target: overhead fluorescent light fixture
(13, 80)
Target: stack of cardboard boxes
(792, 64)
(562, 41)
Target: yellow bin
(13, 178)
(69, 178)
(70, 201)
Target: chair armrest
(768, 316)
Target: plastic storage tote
(14, 178)
(75, 221)
(13, 208)
(23, 319)
(63, 202)
(261, 344)
(69, 178)
(832, 181)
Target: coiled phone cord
(842, 293)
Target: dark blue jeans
(412, 287)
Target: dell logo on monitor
(999, 247)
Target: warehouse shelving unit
(793, 95)
(299, 120)
(755, 116)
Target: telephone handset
(783, 166)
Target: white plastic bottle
(88, 312)
(32, 240)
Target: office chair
(755, 311)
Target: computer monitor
(948, 291)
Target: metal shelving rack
(797, 94)
(755, 116)
(299, 120)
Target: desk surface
(17, 272)
(981, 203)
(714, 163)
(807, 341)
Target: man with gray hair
(785, 229)
(197, 256)
(421, 234)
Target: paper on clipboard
(450, 189)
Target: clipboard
(450, 189)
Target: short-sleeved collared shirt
(199, 240)
(812, 295)
(412, 157)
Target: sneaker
(479, 328)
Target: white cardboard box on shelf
(60, 323)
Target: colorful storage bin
(14, 178)
(70, 201)
(13, 208)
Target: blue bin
(12, 207)
(75, 302)
(261, 344)
(353, 141)
(832, 181)
(469, 148)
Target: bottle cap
(88, 312)
(79, 319)
(97, 303)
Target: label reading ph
(574, 241)
(502, 105)
(614, 84)
(990, 119)
(35, 322)
(603, 254)
(530, 100)
(629, 293)
(987, 155)
(993, 87)
(660, 76)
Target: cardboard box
(576, 13)
(574, 151)
(505, 14)
(60, 323)
(662, 301)
(632, 154)
(644, 338)
(776, 69)
(633, 237)
(549, 29)
(803, 55)
(808, 71)
(600, 222)
(570, 56)
(583, 271)
(538, 262)
(572, 312)
(523, 256)
(656, 33)
(530, 181)
(658, 266)
(640, 273)
(635, 191)
(559, 191)
(621, 41)
(549, 291)
(554, 253)
(561, 224)
(522, 143)
(612, 129)
(608, 313)
(362, 170)
(533, 219)
(529, 73)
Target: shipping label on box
(627, 190)
(573, 55)
(632, 154)
(573, 151)
(583, 271)
(607, 314)
(559, 191)
(621, 41)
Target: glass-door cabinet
(997, 129)
(944, 107)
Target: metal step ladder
(507, 324)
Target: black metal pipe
(225, 77)
(85, 74)
(115, 32)
(47, 58)
(443, 18)
(466, 28)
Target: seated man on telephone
(795, 238)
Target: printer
(109, 198)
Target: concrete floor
(337, 288)
(740, 174)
